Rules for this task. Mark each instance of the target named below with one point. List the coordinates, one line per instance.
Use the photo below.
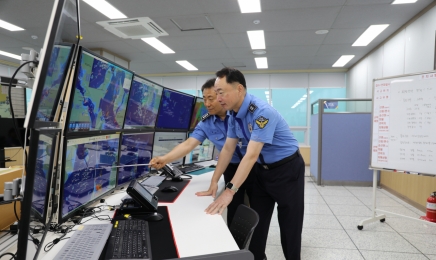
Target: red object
(431, 208)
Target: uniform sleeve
(264, 125)
(199, 132)
(231, 132)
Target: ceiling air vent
(133, 28)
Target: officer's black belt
(282, 161)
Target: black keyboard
(130, 239)
(190, 168)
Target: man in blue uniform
(278, 165)
(212, 126)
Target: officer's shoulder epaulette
(205, 116)
(252, 108)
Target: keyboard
(86, 242)
(153, 181)
(130, 239)
(190, 168)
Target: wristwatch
(232, 187)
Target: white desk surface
(195, 232)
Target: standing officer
(212, 126)
(278, 165)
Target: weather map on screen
(135, 149)
(88, 170)
(198, 112)
(175, 110)
(54, 80)
(143, 104)
(100, 95)
(203, 152)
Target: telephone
(173, 172)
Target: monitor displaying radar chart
(164, 142)
(100, 94)
(198, 111)
(203, 152)
(175, 110)
(88, 171)
(143, 104)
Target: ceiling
(289, 25)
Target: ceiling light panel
(186, 64)
(370, 34)
(158, 45)
(106, 8)
(9, 26)
(257, 39)
(10, 55)
(249, 6)
(261, 63)
(344, 59)
(398, 2)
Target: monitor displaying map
(203, 152)
(164, 142)
(175, 110)
(100, 95)
(143, 104)
(198, 111)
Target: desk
(195, 232)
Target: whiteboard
(404, 123)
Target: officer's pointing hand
(220, 203)
(211, 191)
(157, 162)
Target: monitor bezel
(192, 112)
(73, 90)
(63, 219)
(184, 158)
(161, 129)
(144, 128)
(123, 185)
(41, 74)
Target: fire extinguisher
(431, 208)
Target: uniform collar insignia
(252, 108)
(205, 116)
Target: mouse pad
(202, 171)
(163, 245)
(170, 197)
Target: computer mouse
(153, 217)
(169, 189)
(212, 166)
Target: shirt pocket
(217, 137)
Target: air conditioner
(133, 28)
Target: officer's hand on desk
(220, 203)
(211, 191)
(157, 162)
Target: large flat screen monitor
(198, 111)
(143, 104)
(164, 142)
(99, 97)
(135, 149)
(201, 153)
(88, 171)
(175, 110)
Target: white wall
(410, 51)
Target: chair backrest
(243, 224)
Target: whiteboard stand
(382, 217)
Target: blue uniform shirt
(215, 129)
(256, 120)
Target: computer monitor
(198, 111)
(164, 142)
(143, 104)
(174, 110)
(134, 149)
(54, 63)
(88, 171)
(201, 153)
(99, 96)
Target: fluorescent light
(370, 34)
(158, 45)
(185, 64)
(398, 2)
(261, 63)
(106, 8)
(310, 92)
(344, 59)
(304, 95)
(249, 6)
(9, 26)
(10, 55)
(257, 39)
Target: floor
(332, 214)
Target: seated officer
(213, 126)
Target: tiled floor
(332, 214)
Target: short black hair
(209, 84)
(232, 75)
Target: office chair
(243, 224)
